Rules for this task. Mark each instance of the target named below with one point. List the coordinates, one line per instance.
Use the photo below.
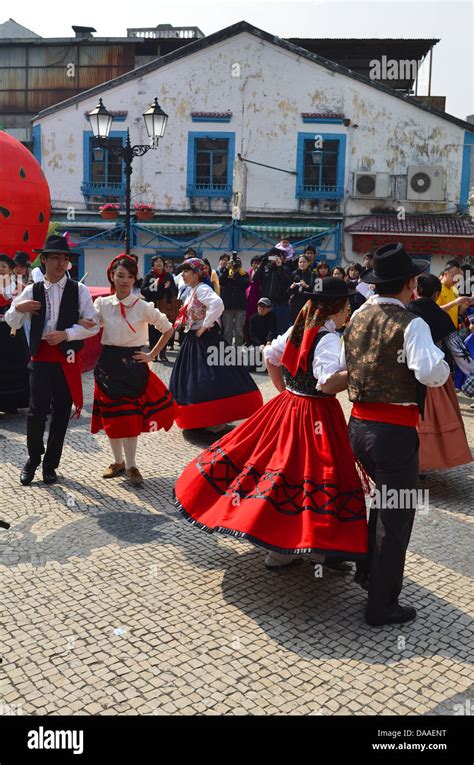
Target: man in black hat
(390, 356)
(55, 307)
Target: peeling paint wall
(272, 89)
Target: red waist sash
(394, 414)
(71, 368)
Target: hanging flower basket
(109, 211)
(144, 212)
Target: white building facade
(322, 149)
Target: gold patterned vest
(376, 365)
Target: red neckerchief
(124, 314)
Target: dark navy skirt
(209, 386)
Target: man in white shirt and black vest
(62, 315)
(390, 358)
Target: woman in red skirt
(129, 398)
(286, 479)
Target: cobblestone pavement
(113, 604)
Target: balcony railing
(221, 190)
(307, 191)
(116, 190)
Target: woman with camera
(303, 279)
(274, 279)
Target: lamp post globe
(101, 121)
(155, 121)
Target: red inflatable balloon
(24, 199)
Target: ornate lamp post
(155, 123)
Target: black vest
(304, 383)
(68, 315)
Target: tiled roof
(440, 225)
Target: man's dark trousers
(389, 454)
(48, 389)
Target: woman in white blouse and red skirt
(209, 389)
(286, 479)
(129, 398)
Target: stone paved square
(113, 604)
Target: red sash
(71, 369)
(394, 414)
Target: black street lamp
(155, 123)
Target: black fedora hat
(392, 262)
(329, 288)
(55, 243)
(22, 259)
(7, 259)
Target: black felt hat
(55, 243)
(392, 262)
(329, 288)
(22, 259)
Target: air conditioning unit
(426, 183)
(371, 185)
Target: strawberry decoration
(24, 199)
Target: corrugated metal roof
(421, 225)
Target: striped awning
(277, 230)
(180, 228)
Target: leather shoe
(49, 474)
(28, 473)
(397, 615)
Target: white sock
(130, 449)
(117, 449)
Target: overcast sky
(452, 22)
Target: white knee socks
(130, 449)
(117, 449)
(127, 445)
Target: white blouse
(204, 307)
(326, 360)
(138, 313)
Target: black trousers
(48, 389)
(389, 454)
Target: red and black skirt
(207, 390)
(129, 398)
(286, 480)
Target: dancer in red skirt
(286, 479)
(129, 398)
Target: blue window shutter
(191, 190)
(37, 142)
(467, 180)
(315, 193)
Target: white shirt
(37, 275)
(326, 360)
(205, 309)
(138, 313)
(53, 294)
(422, 356)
